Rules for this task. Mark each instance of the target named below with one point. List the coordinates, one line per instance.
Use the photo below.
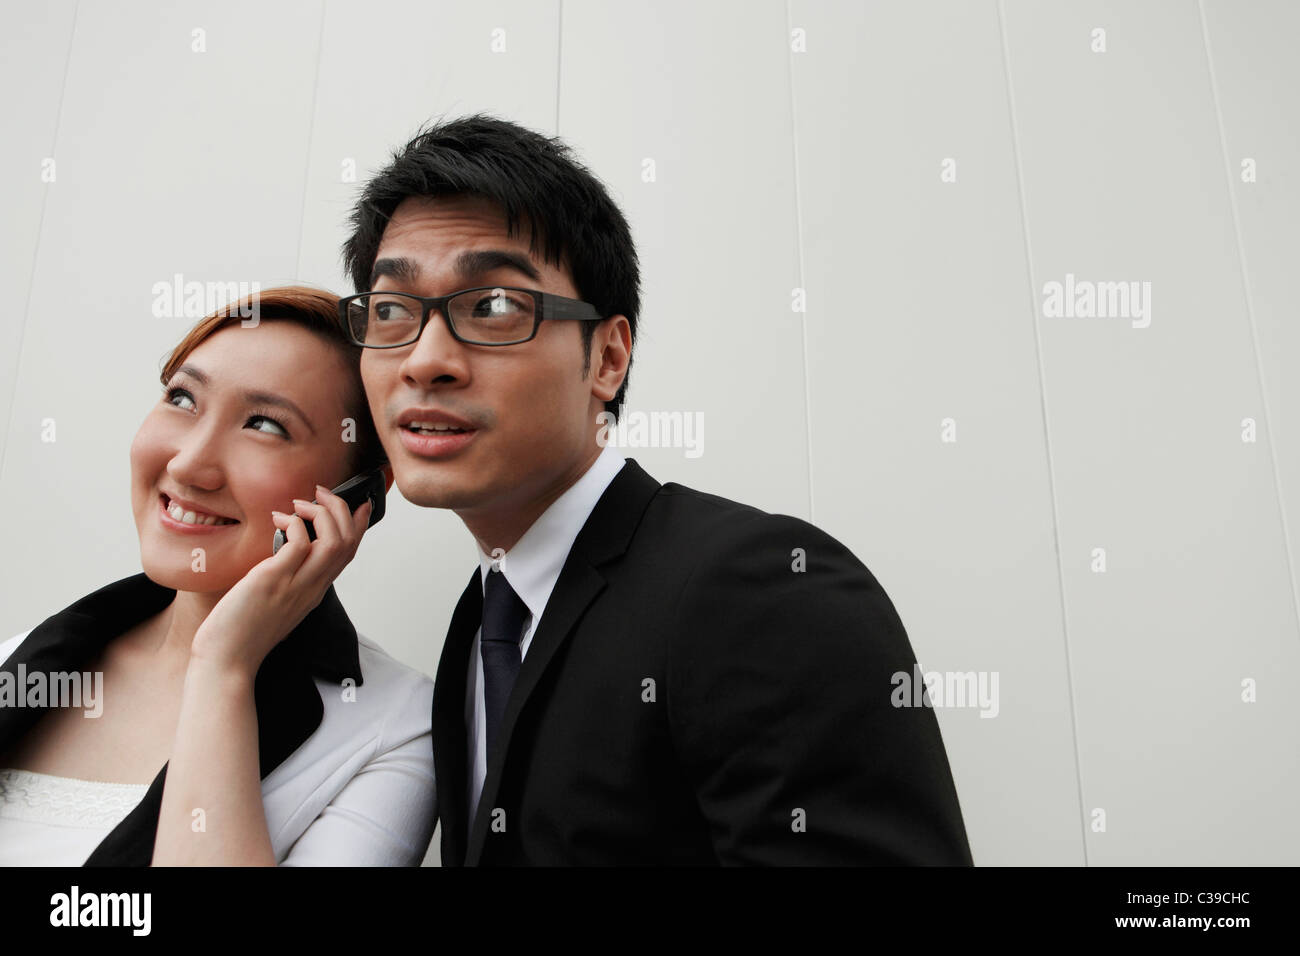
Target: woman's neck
(171, 632)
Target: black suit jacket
(289, 707)
(689, 697)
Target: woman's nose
(197, 461)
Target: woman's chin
(184, 575)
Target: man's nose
(437, 354)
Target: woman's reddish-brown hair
(315, 310)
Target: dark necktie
(503, 622)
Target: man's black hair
(530, 176)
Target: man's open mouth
(435, 429)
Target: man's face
(531, 414)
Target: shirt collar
(533, 565)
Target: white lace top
(58, 821)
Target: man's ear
(387, 469)
(611, 355)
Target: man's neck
(503, 527)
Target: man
(636, 673)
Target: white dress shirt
(532, 567)
(358, 792)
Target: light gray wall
(775, 169)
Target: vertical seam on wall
(36, 251)
(311, 130)
(559, 60)
(1047, 440)
(1250, 310)
(798, 226)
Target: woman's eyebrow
(252, 397)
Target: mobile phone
(356, 491)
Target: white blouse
(360, 791)
(58, 821)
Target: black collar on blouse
(289, 707)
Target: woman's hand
(276, 594)
(214, 763)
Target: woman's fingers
(338, 532)
(326, 533)
(342, 515)
(351, 524)
(297, 543)
(361, 518)
(329, 537)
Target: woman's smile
(174, 517)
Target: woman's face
(253, 419)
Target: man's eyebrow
(471, 263)
(474, 262)
(252, 397)
(404, 270)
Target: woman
(283, 736)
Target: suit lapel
(289, 707)
(450, 736)
(604, 537)
(71, 639)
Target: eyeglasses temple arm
(559, 307)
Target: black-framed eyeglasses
(487, 315)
